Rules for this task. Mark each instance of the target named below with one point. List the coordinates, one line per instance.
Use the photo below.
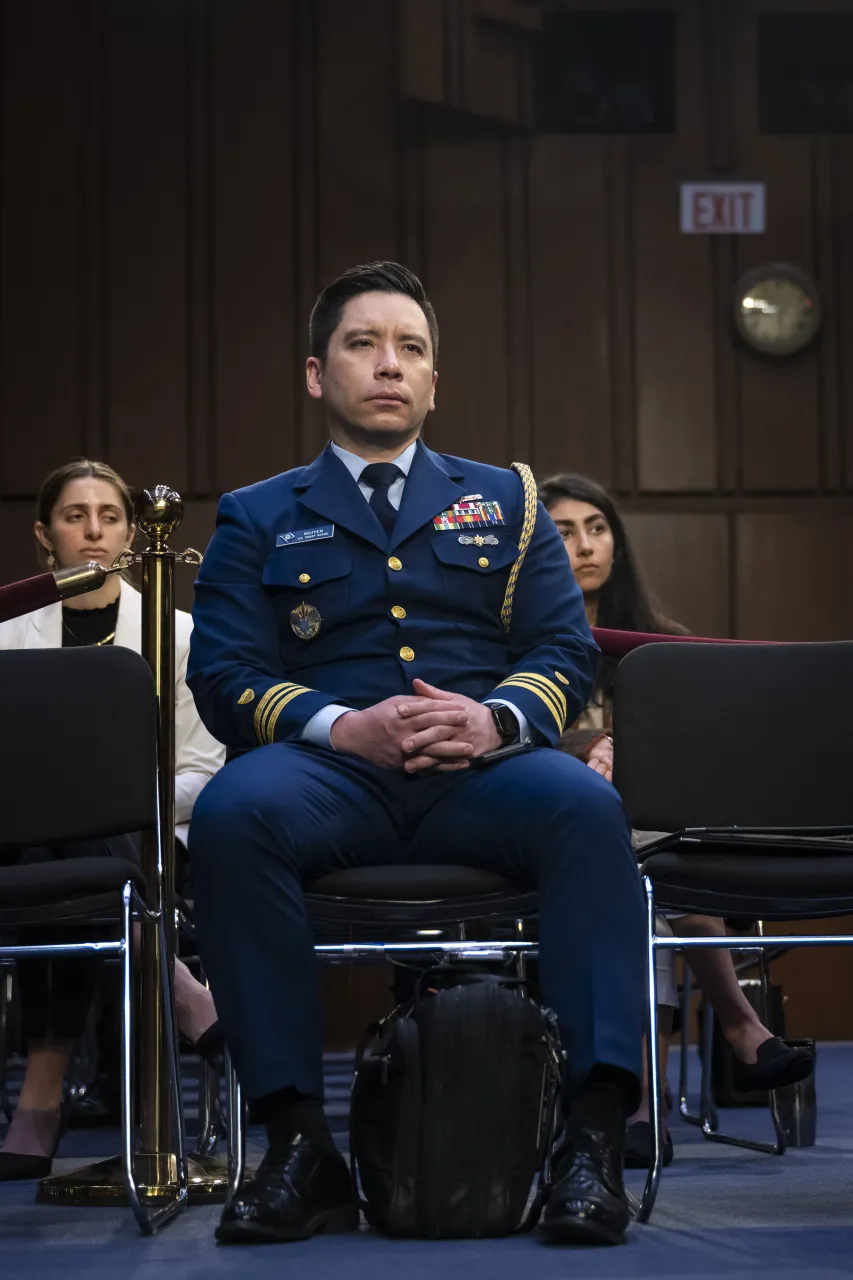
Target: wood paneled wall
(180, 177)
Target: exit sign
(722, 208)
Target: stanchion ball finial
(159, 512)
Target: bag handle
(531, 502)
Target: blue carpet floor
(721, 1212)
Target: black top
(89, 626)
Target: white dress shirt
(318, 730)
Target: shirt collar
(355, 465)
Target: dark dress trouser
(56, 994)
(277, 818)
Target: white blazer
(197, 754)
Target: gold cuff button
(407, 654)
(483, 562)
(398, 611)
(394, 563)
(305, 577)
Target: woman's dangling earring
(51, 560)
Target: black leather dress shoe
(291, 1197)
(587, 1204)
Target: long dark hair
(623, 601)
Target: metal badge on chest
(305, 621)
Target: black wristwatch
(505, 723)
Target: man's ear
(432, 392)
(314, 378)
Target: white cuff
(318, 729)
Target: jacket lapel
(328, 489)
(432, 486)
(129, 621)
(44, 628)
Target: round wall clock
(777, 309)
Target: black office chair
(421, 912)
(68, 715)
(709, 746)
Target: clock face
(777, 310)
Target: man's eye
(413, 346)
(361, 342)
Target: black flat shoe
(638, 1146)
(15, 1167)
(587, 1204)
(777, 1064)
(291, 1197)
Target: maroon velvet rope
(23, 597)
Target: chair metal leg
(642, 1212)
(6, 972)
(236, 1130)
(520, 956)
(707, 1110)
(211, 1126)
(708, 1118)
(149, 1220)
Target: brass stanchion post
(159, 512)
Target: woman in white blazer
(85, 513)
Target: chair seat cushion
(411, 883)
(45, 883)
(764, 886)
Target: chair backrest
(729, 735)
(78, 749)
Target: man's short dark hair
(372, 277)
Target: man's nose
(389, 364)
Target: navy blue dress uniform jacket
(339, 612)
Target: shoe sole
(580, 1231)
(338, 1222)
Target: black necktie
(380, 476)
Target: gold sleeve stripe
(558, 715)
(532, 682)
(265, 701)
(281, 699)
(545, 684)
(278, 708)
(531, 504)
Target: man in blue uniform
(364, 627)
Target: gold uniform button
(305, 577)
(398, 611)
(407, 654)
(483, 562)
(394, 563)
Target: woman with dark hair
(606, 570)
(85, 513)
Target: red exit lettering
(722, 210)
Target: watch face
(777, 309)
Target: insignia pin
(305, 621)
(489, 540)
